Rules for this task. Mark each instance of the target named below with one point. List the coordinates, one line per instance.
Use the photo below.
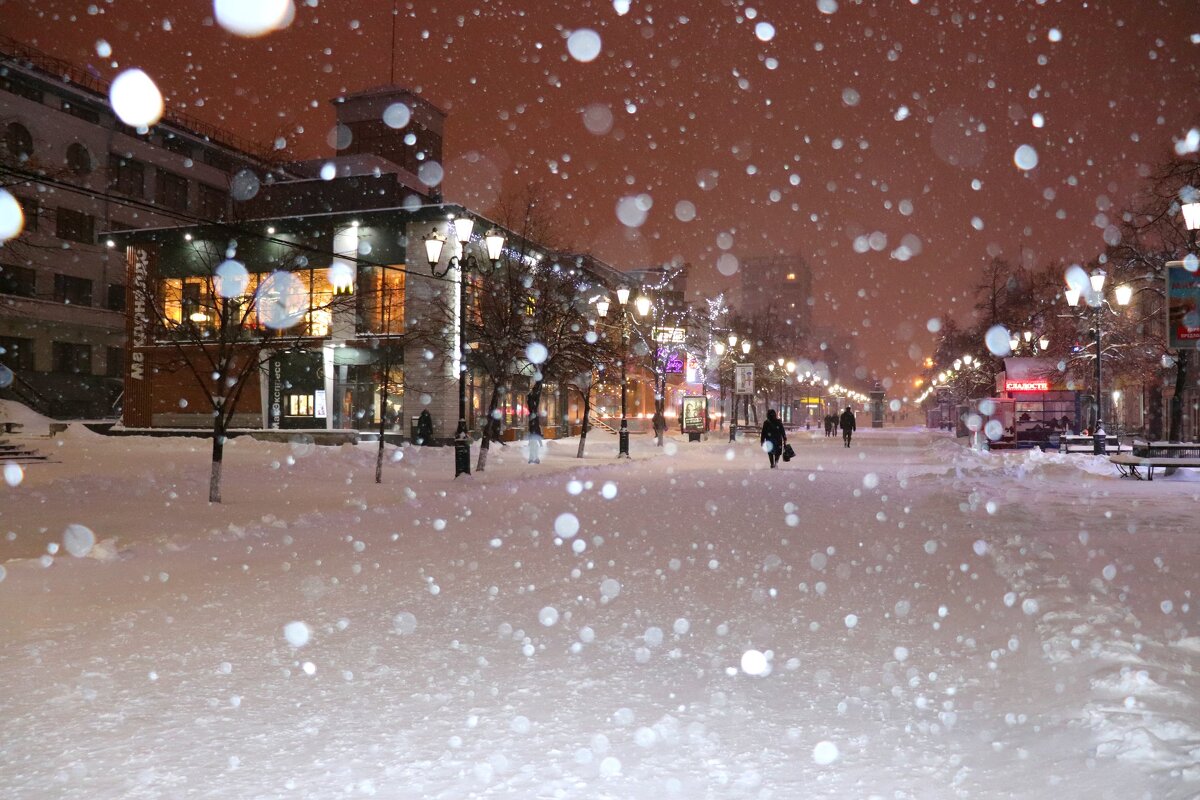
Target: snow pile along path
(902, 619)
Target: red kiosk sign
(1027, 385)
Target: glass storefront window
(300, 405)
(394, 378)
(358, 391)
(171, 294)
(549, 405)
(381, 300)
(188, 301)
(319, 320)
(474, 304)
(192, 301)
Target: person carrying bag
(773, 437)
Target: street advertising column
(693, 417)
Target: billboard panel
(1183, 307)
(743, 379)
(694, 414)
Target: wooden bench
(1167, 456)
(1075, 443)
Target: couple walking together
(774, 438)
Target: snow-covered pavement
(904, 619)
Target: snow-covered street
(904, 619)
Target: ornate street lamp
(1122, 294)
(720, 349)
(435, 242)
(602, 309)
(733, 340)
(1191, 219)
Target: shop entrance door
(295, 389)
(356, 397)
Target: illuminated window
(381, 300)
(791, 276)
(474, 303)
(320, 318)
(171, 293)
(186, 300)
(191, 301)
(299, 405)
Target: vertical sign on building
(141, 273)
(275, 392)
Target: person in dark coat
(773, 437)
(424, 427)
(847, 424)
(829, 425)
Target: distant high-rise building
(781, 285)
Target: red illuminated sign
(1027, 386)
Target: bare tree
(496, 331)
(558, 326)
(1152, 235)
(500, 321)
(585, 384)
(219, 321)
(653, 339)
(378, 304)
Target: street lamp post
(463, 263)
(1096, 300)
(658, 357)
(1191, 221)
(745, 350)
(602, 310)
(733, 340)
(779, 361)
(719, 349)
(791, 398)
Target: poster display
(1183, 307)
(694, 414)
(743, 379)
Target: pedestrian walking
(424, 427)
(773, 437)
(847, 424)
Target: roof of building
(60, 72)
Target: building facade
(77, 171)
(780, 285)
(337, 321)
